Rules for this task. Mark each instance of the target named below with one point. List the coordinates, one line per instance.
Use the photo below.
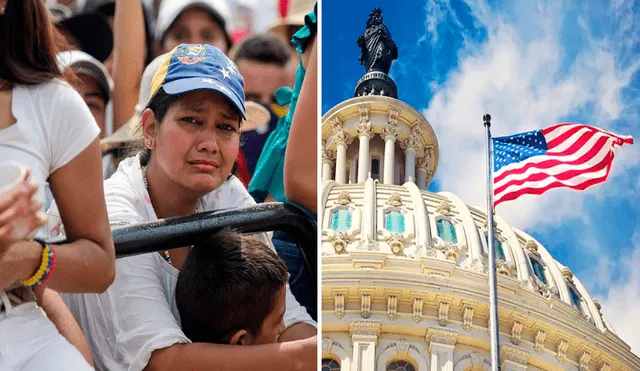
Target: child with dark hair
(231, 290)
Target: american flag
(565, 155)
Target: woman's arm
(297, 355)
(128, 64)
(300, 164)
(62, 318)
(88, 263)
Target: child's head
(231, 290)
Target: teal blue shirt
(268, 177)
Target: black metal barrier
(164, 234)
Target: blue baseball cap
(190, 67)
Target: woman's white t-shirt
(53, 125)
(138, 313)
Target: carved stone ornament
(441, 337)
(598, 305)
(328, 156)
(604, 366)
(443, 313)
(467, 318)
(418, 304)
(341, 138)
(339, 241)
(532, 246)
(338, 307)
(445, 208)
(410, 144)
(394, 200)
(542, 288)
(567, 274)
(476, 360)
(336, 123)
(516, 332)
(503, 268)
(392, 307)
(396, 243)
(561, 351)
(364, 113)
(364, 328)
(402, 345)
(515, 355)
(365, 129)
(390, 131)
(394, 113)
(421, 164)
(344, 199)
(539, 341)
(326, 344)
(450, 250)
(365, 305)
(585, 357)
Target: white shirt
(141, 300)
(53, 125)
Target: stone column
(390, 133)
(441, 346)
(327, 164)
(513, 359)
(421, 169)
(409, 162)
(364, 337)
(389, 136)
(341, 138)
(365, 133)
(353, 171)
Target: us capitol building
(405, 284)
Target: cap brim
(198, 83)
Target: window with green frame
(446, 231)
(394, 222)
(341, 220)
(498, 245)
(538, 270)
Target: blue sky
(530, 66)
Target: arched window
(538, 270)
(375, 169)
(341, 220)
(446, 231)
(400, 365)
(498, 245)
(575, 298)
(394, 222)
(329, 364)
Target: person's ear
(149, 128)
(241, 337)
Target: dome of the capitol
(404, 270)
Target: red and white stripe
(578, 156)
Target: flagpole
(493, 285)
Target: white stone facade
(404, 270)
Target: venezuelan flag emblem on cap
(190, 67)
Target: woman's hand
(19, 261)
(19, 211)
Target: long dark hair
(28, 43)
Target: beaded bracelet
(44, 270)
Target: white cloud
(620, 305)
(518, 77)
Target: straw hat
(291, 13)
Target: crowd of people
(120, 112)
